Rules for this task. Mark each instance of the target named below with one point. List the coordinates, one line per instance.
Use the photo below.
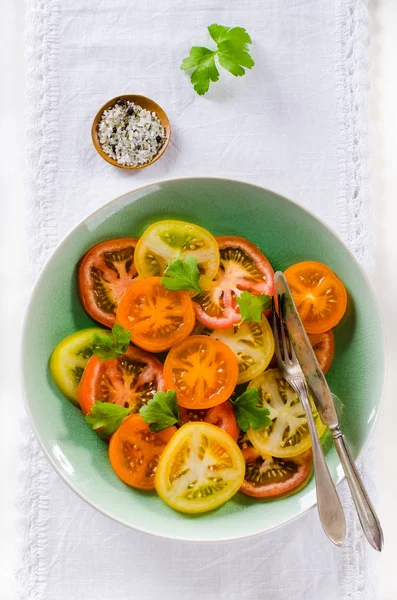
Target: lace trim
(359, 565)
(352, 66)
(41, 160)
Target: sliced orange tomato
(269, 477)
(222, 416)
(320, 296)
(202, 371)
(324, 346)
(242, 267)
(105, 272)
(200, 469)
(134, 452)
(130, 380)
(157, 318)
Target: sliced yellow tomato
(287, 434)
(200, 469)
(69, 359)
(165, 240)
(252, 343)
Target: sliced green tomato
(166, 240)
(288, 433)
(69, 359)
(252, 343)
(200, 469)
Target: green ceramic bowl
(287, 234)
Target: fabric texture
(297, 124)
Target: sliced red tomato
(319, 295)
(156, 317)
(323, 345)
(242, 267)
(268, 477)
(222, 416)
(202, 371)
(134, 452)
(105, 272)
(130, 380)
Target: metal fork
(329, 506)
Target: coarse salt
(130, 134)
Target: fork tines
(288, 353)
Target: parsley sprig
(232, 53)
(112, 345)
(252, 307)
(248, 411)
(182, 274)
(106, 418)
(161, 411)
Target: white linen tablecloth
(296, 124)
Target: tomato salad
(180, 378)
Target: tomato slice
(166, 240)
(69, 359)
(202, 371)
(134, 452)
(222, 416)
(242, 267)
(253, 345)
(269, 477)
(105, 272)
(320, 296)
(157, 318)
(287, 435)
(324, 346)
(200, 469)
(130, 380)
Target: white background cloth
(287, 125)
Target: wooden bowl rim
(140, 101)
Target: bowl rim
(37, 283)
(133, 98)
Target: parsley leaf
(107, 417)
(232, 52)
(111, 345)
(203, 62)
(252, 307)
(182, 275)
(248, 412)
(161, 411)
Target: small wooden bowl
(144, 102)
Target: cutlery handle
(366, 512)
(328, 503)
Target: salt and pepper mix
(130, 134)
